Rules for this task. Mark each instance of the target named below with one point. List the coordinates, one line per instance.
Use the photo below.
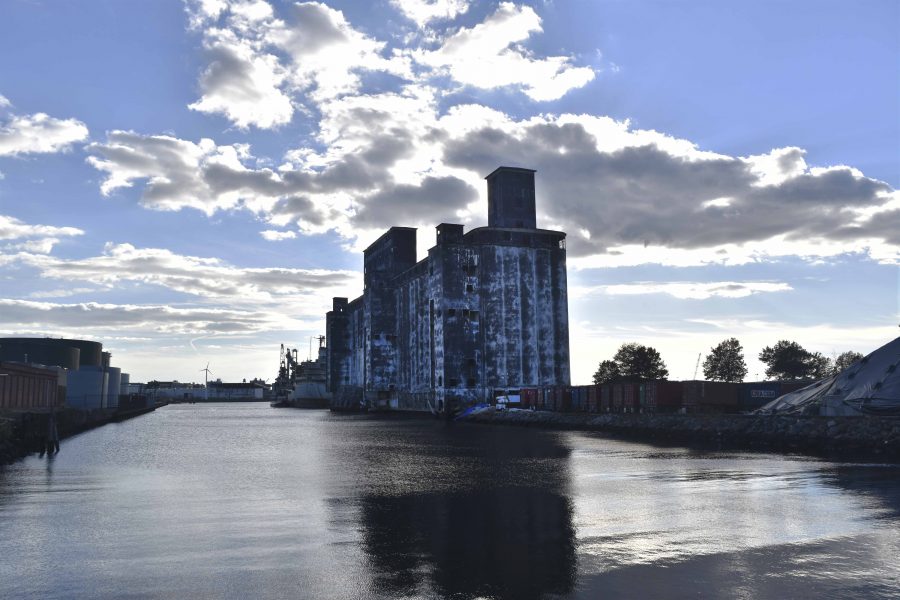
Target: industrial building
(83, 368)
(484, 314)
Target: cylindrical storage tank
(86, 388)
(91, 352)
(113, 386)
(44, 351)
(105, 358)
(124, 381)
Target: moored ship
(301, 384)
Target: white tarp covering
(870, 386)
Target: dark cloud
(436, 200)
(647, 195)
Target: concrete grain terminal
(485, 313)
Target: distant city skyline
(191, 183)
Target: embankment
(22, 433)
(850, 436)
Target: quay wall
(877, 436)
(23, 432)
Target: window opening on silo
(451, 312)
(473, 315)
(562, 244)
(470, 362)
(440, 380)
(470, 288)
(453, 382)
(470, 382)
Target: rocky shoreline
(859, 437)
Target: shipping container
(594, 398)
(661, 396)
(579, 398)
(756, 394)
(710, 396)
(617, 397)
(529, 397)
(605, 398)
(630, 397)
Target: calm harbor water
(242, 500)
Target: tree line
(786, 360)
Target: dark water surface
(244, 501)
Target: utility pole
(697, 366)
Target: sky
(192, 183)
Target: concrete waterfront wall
(868, 435)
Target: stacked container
(661, 396)
(606, 398)
(710, 396)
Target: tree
(845, 359)
(820, 366)
(607, 372)
(637, 362)
(789, 360)
(725, 362)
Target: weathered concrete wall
(485, 311)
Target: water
(241, 500)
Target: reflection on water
(488, 516)
(236, 501)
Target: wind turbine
(206, 382)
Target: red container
(605, 398)
(528, 397)
(711, 396)
(661, 396)
(630, 398)
(617, 397)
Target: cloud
(32, 238)
(275, 236)
(208, 278)
(125, 318)
(261, 65)
(435, 200)
(242, 83)
(691, 290)
(638, 203)
(38, 133)
(489, 56)
(264, 65)
(422, 12)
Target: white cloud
(243, 83)
(422, 12)
(31, 238)
(276, 236)
(489, 56)
(38, 133)
(205, 278)
(685, 290)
